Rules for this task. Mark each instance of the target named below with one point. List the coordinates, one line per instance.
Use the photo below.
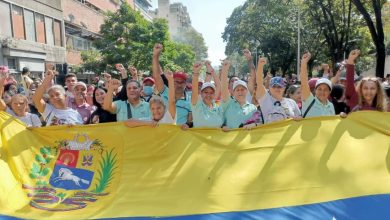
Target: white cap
(100, 83)
(206, 85)
(324, 81)
(239, 83)
(79, 83)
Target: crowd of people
(174, 98)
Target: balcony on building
(143, 6)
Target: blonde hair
(379, 101)
(20, 96)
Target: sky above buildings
(209, 18)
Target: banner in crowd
(319, 168)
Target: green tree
(128, 38)
(372, 14)
(193, 38)
(268, 28)
(93, 60)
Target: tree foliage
(193, 38)
(372, 14)
(329, 29)
(265, 27)
(129, 39)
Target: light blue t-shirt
(318, 109)
(205, 116)
(140, 112)
(235, 114)
(183, 107)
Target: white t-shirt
(168, 119)
(274, 110)
(66, 116)
(31, 120)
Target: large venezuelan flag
(319, 168)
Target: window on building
(17, 22)
(5, 19)
(40, 28)
(78, 43)
(11, 63)
(29, 25)
(49, 31)
(69, 41)
(57, 33)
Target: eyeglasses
(277, 103)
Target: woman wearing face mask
(273, 105)
(148, 88)
(100, 115)
(160, 112)
(205, 112)
(317, 105)
(19, 108)
(369, 92)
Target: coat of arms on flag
(70, 174)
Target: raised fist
(247, 54)
(196, 68)
(226, 65)
(114, 84)
(169, 75)
(306, 57)
(133, 71)
(353, 55)
(157, 49)
(50, 73)
(119, 67)
(262, 61)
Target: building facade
(34, 33)
(31, 34)
(143, 6)
(176, 14)
(82, 19)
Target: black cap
(25, 70)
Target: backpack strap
(308, 108)
(261, 114)
(129, 114)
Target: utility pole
(299, 46)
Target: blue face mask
(148, 90)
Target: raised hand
(262, 61)
(169, 75)
(157, 49)
(50, 73)
(247, 54)
(133, 71)
(119, 67)
(107, 77)
(209, 68)
(325, 66)
(196, 68)
(306, 57)
(269, 76)
(353, 55)
(114, 84)
(226, 65)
